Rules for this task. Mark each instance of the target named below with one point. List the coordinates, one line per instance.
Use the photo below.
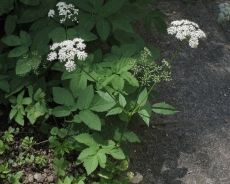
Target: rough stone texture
(196, 154)
(191, 147)
(200, 86)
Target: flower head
(51, 13)
(66, 52)
(185, 29)
(224, 12)
(66, 11)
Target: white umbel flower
(185, 29)
(224, 12)
(51, 13)
(66, 52)
(65, 11)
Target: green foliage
(85, 112)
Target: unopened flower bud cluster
(185, 29)
(67, 11)
(224, 12)
(148, 72)
(66, 52)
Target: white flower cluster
(224, 12)
(66, 10)
(68, 49)
(185, 29)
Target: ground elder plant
(73, 76)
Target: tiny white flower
(184, 29)
(51, 13)
(70, 66)
(52, 56)
(81, 55)
(67, 50)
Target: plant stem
(125, 127)
(177, 50)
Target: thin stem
(41, 142)
(177, 50)
(122, 134)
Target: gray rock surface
(191, 147)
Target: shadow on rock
(156, 157)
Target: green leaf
(13, 112)
(145, 112)
(19, 119)
(62, 132)
(84, 5)
(58, 34)
(86, 139)
(101, 105)
(25, 38)
(62, 96)
(85, 35)
(54, 131)
(85, 98)
(10, 24)
(92, 150)
(6, 6)
(106, 97)
(114, 111)
(111, 7)
(160, 25)
(130, 78)
(142, 98)
(164, 108)
(121, 22)
(90, 164)
(122, 100)
(78, 82)
(90, 119)
(61, 111)
(131, 137)
(18, 51)
(31, 2)
(4, 85)
(22, 67)
(117, 153)
(33, 13)
(11, 40)
(26, 101)
(101, 158)
(121, 65)
(103, 28)
(97, 4)
(118, 83)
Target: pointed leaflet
(111, 7)
(10, 24)
(142, 97)
(103, 28)
(25, 38)
(100, 105)
(122, 100)
(145, 113)
(85, 98)
(114, 111)
(90, 119)
(129, 78)
(61, 111)
(86, 139)
(164, 108)
(131, 137)
(11, 40)
(62, 96)
(120, 22)
(90, 164)
(18, 51)
(121, 65)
